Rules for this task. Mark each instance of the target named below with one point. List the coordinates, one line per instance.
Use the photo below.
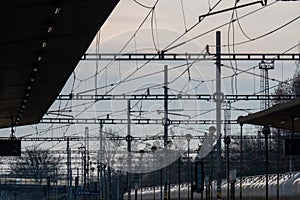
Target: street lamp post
(109, 169)
(266, 132)
(188, 138)
(161, 177)
(142, 153)
(153, 149)
(227, 141)
(169, 144)
(179, 172)
(92, 171)
(197, 183)
(212, 130)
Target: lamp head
(188, 137)
(142, 151)
(266, 130)
(227, 140)
(212, 130)
(153, 148)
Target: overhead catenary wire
(143, 5)
(98, 40)
(169, 47)
(59, 108)
(127, 79)
(154, 33)
(241, 71)
(265, 34)
(255, 66)
(131, 38)
(295, 45)
(240, 26)
(117, 83)
(121, 81)
(136, 31)
(234, 69)
(183, 15)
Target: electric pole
(218, 98)
(69, 169)
(165, 124)
(129, 140)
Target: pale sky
(175, 15)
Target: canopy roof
(41, 42)
(284, 116)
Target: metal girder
(206, 97)
(125, 121)
(50, 139)
(73, 151)
(59, 139)
(159, 137)
(189, 56)
(195, 137)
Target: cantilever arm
(228, 9)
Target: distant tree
(296, 83)
(253, 156)
(288, 87)
(36, 163)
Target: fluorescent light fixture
(44, 44)
(31, 78)
(57, 10)
(283, 121)
(35, 69)
(40, 58)
(50, 29)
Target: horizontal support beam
(195, 137)
(206, 97)
(50, 139)
(185, 56)
(125, 121)
(159, 137)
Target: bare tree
(296, 83)
(36, 163)
(288, 87)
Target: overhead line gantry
(125, 121)
(140, 138)
(189, 56)
(207, 97)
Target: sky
(273, 28)
(178, 15)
